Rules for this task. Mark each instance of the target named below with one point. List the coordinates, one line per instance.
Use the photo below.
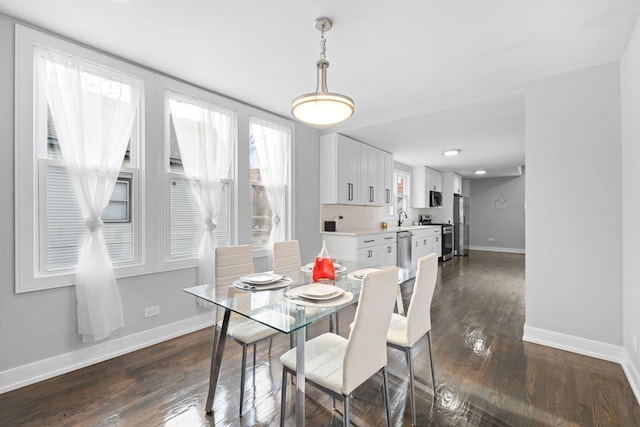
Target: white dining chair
(286, 257)
(233, 262)
(404, 332)
(337, 365)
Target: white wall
(505, 226)
(630, 94)
(38, 332)
(574, 199)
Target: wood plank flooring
(485, 374)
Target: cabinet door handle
(388, 238)
(388, 195)
(349, 191)
(388, 249)
(371, 194)
(369, 241)
(424, 242)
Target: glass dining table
(280, 310)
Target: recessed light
(480, 172)
(451, 152)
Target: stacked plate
(318, 295)
(262, 281)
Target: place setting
(359, 274)
(318, 295)
(262, 281)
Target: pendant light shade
(322, 108)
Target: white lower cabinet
(388, 249)
(371, 249)
(424, 242)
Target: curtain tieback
(275, 219)
(209, 224)
(93, 223)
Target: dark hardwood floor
(485, 374)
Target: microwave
(435, 199)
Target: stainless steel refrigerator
(460, 225)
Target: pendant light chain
(323, 44)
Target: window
(401, 180)
(269, 165)
(49, 225)
(186, 225)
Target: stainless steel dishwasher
(404, 249)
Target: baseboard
(632, 374)
(494, 249)
(586, 347)
(31, 373)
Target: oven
(447, 242)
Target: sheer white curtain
(272, 144)
(207, 136)
(93, 111)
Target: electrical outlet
(491, 239)
(634, 343)
(152, 311)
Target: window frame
(28, 242)
(263, 249)
(169, 87)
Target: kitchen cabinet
(457, 184)
(371, 249)
(385, 175)
(424, 180)
(353, 173)
(339, 170)
(424, 242)
(369, 181)
(388, 249)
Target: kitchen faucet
(400, 217)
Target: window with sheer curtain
(269, 174)
(206, 136)
(186, 224)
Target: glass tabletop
(272, 307)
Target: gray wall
(36, 326)
(630, 89)
(574, 200)
(505, 226)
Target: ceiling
(425, 74)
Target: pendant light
(322, 108)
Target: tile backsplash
(353, 217)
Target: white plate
(318, 291)
(261, 278)
(286, 281)
(293, 298)
(359, 274)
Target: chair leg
(270, 344)
(283, 397)
(345, 415)
(412, 387)
(386, 395)
(433, 375)
(243, 368)
(254, 357)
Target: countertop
(378, 230)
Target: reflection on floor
(485, 374)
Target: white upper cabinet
(424, 180)
(385, 175)
(339, 170)
(351, 174)
(457, 184)
(369, 181)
